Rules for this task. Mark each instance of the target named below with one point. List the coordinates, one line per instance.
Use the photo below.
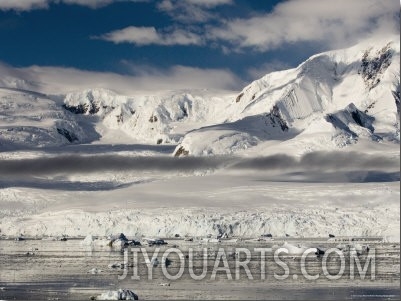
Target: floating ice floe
(210, 240)
(233, 240)
(354, 249)
(121, 241)
(91, 241)
(297, 250)
(94, 271)
(155, 241)
(62, 238)
(155, 262)
(88, 241)
(222, 235)
(121, 294)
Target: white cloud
(198, 7)
(23, 5)
(143, 78)
(209, 3)
(89, 3)
(26, 5)
(148, 35)
(335, 23)
(96, 3)
(191, 11)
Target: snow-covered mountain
(348, 99)
(332, 100)
(161, 118)
(29, 119)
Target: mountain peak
(363, 78)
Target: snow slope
(344, 100)
(242, 205)
(161, 118)
(30, 119)
(332, 100)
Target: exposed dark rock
(68, 135)
(120, 118)
(373, 67)
(239, 97)
(184, 112)
(276, 119)
(153, 118)
(361, 118)
(371, 106)
(357, 118)
(94, 108)
(319, 252)
(79, 109)
(341, 119)
(181, 152)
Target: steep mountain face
(29, 119)
(333, 99)
(162, 118)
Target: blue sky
(182, 43)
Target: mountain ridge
(332, 100)
(332, 89)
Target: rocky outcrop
(374, 65)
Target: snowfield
(198, 206)
(240, 200)
(302, 152)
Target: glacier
(345, 101)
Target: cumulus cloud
(92, 3)
(209, 3)
(149, 35)
(191, 11)
(335, 24)
(338, 24)
(26, 5)
(142, 78)
(23, 5)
